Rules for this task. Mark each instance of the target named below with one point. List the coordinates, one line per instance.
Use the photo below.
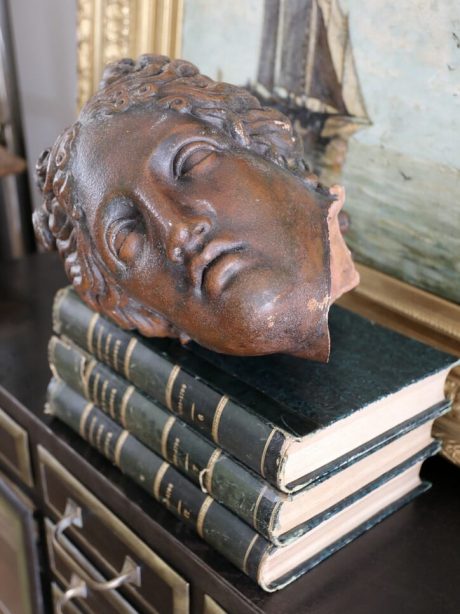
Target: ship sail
(307, 61)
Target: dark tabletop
(410, 563)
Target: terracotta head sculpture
(181, 207)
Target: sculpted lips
(213, 268)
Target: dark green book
(270, 566)
(289, 420)
(279, 517)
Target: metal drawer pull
(72, 516)
(77, 589)
(130, 572)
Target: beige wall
(44, 39)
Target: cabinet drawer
(211, 607)
(14, 448)
(66, 560)
(107, 542)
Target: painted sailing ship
(307, 69)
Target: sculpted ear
(119, 232)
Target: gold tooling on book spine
(216, 420)
(92, 426)
(84, 417)
(94, 396)
(105, 385)
(116, 351)
(108, 439)
(129, 351)
(164, 436)
(274, 517)
(51, 352)
(107, 348)
(113, 394)
(248, 551)
(169, 386)
(210, 468)
(202, 515)
(256, 507)
(157, 482)
(124, 404)
(264, 452)
(90, 333)
(98, 351)
(87, 376)
(119, 446)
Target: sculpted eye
(191, 156)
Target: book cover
(274, 400)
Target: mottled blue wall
(402, 174)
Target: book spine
(214, 523)
(236, 487)
(219, 417)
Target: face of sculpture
(227, 246)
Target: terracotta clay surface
(181, 207)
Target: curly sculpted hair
(159, 83)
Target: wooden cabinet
(409, 563)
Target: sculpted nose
(187, 238)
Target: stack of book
(276, 462)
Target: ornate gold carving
(453, 392)
(112, 29)
(447, 428)
(451, 450)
